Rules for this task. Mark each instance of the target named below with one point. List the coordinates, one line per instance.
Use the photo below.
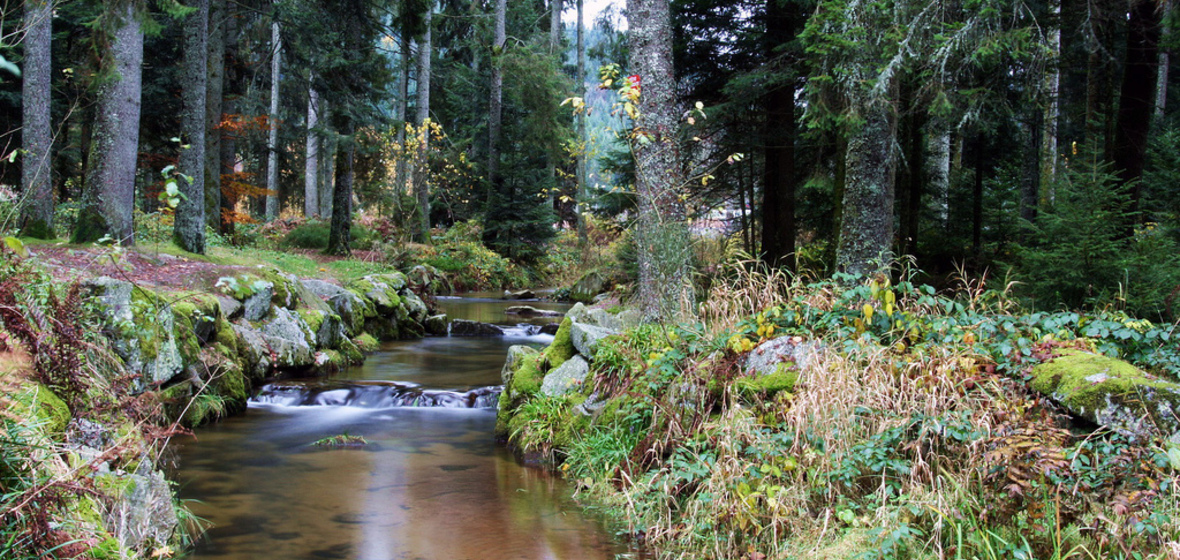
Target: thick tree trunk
(311, 184)
(581, 125)
(272, 142)
(938, 169)
(495, 109)
(339, 235)
(1137, 98)
(662, 238)
(1030, 179)
(778, 196)
(866, 221)
(189, 227)
(214, 92)
(400, 181)
(420, 171)
(36, 129)
(109, 200)
(1100, 74)
(1049, 122)
(327, 171)
(228, 156)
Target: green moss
(313, 318)
(38, 229)
(366, 343)
(45, 407)
(528, 377)
(351, 353)
(224, 335)
(782, 379)
(1108, 391)
(284, 291)
(562, 347)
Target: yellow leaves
(741, 344)
(868, 310)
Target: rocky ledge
(206, 351)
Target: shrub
(314, 235)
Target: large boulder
(142, 329)
(1111, 393)
(430, 280)
(586, 337)
(516, 354)
(589, 285)
(348, 305)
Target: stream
(431, 483)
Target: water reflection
(430, 484)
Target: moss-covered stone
(528, 377)
(1112, 393)
(562, 347)
(350, 351)
(366, 342)
(44, 406)
(782, 379)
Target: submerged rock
(463, 327)
(530, 311)
(1112, 393)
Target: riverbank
(862, 420)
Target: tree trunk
(977, 199)
(581, 125)
(327, 171)
(189, 227)
(109, 200)
(1030, 179)
(272, 142)
(36, 126)
(555, 8)
(1100, 75)
(311, 184)
(1049, 122)
(938, 169)
(228, 158)
(778, 195)
(662, 238)
(401, 184)
(339, 235)
(495, 109)
(1137, 98)
(866, 224)
(213, 106)
(421, 172)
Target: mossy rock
(351, 353)
(381, 289)
(44, 407)
(562, 347)
(1112, 393)
(367, 343)
(766, 386)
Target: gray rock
(522, 294)
(566, 379)
(463, 327)
(591, 406)
(307, 298)
(436, 325)
(415, 307)
(430, 279)
(325, 290)
(765, 359)
(143, 514)
(586, 337)
(230, 307)
(289, 338)
(257, 304)
(255, 349)
(589, 285)
(114, 296)
(511, 363)
(530, 311)
(550, 328)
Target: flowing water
(430, 484)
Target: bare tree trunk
(555, 8)
(866, 224)
(778, 196)
(327, 171)
(189, 228)
(339, 237)
(401, 184)
(582, 140)
(272, 142)
(938, 169)
(662, 237)
(109, 200)
(1052, 90)
(1137, 98)
(213, 106)
(36, 125)
(311, 185)
(495, 109)
(422, 174)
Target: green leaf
(16, 246)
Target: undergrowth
(910, 432)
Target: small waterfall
(373, 394)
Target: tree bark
(400, 181)
(420, 171)
(555, 7)
(109, 200)
(213, 107)
(189, 227)
(1049, 122)
(327, 171)
(36, 126)
(1137, 98)
(495, 109)
(311, 184)
(662, 238)
(866, 224)
(272, 142)
(581, 127)
(778, 196)
(340, 233)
